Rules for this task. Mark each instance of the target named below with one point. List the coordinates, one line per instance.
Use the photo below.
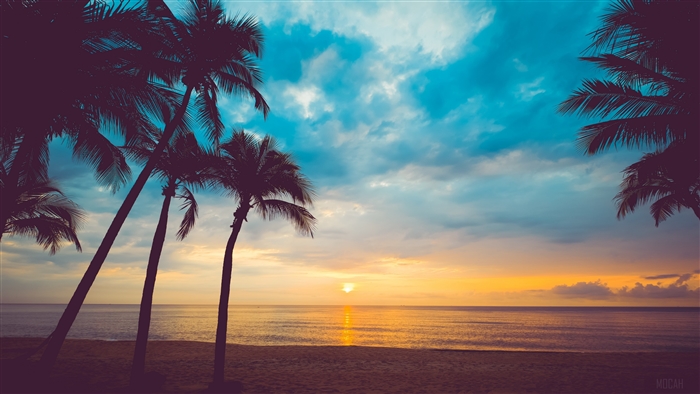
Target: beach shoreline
(104, 366)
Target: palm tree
(95, 81)
(651, 100)
(183, 166)
(664, 177)
(254, 172)
(215, 53)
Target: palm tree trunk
(73, 307)
(222, 325)
(139, 363)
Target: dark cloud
(683, 278)
(592, 290)
(598, 290)
(654, 291)
(663, 276)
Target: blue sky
(444, 174)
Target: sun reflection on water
(346, 336)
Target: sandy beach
(102, 366)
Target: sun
(348, 287)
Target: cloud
(681, 278)
(599, 290)
(527, 91)
(439, 32)
(653, 291)
(662, 276)
(591, 290)
(520, 66)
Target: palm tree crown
(218, 53)
(649, 49)
(78, 68)
(255, 172)
(662, 176)
(185, 166)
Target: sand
(103, 366)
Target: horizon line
(376, 305)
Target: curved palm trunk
(222, 325)
(139, 363)
(73, 307)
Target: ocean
(576, 329)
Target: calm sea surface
(482, 328)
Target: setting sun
(348, 287)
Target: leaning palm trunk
(222, 325)
(64, 324)
(139, 364)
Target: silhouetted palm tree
(255, 173)
(215, 53)
(183, 166)
(662, 176)
(651, 100)
(72, 69)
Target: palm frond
(247, 34)
(655, 34)
(109, 162)
(641, 132)
(35, 165)
(669, 177)
(630, 198)
(302, 219)
(40, 210)
(603, 98)
(233, 84)
(208, 114)
(191, 212)
(48, 232)
(629, 73)
(664, 207)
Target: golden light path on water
(347, 334)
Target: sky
(444, 175)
